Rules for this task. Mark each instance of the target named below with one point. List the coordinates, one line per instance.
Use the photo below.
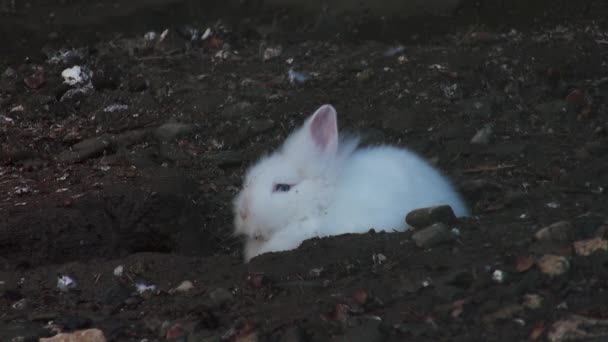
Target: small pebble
(65, 283)
(558, 231)
(532, 301)
(425, 217)
(219, 297)
(553, 265)
(498, 276)
(588, 247)
(143, 287)
(119, 270)
(379, 258)
(185, 286)
(365, 75)
(432, 236)
(89, 335)
(482, 137)
(272, 52)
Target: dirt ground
(119, 187)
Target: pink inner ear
(324, 129)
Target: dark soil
(148, 185)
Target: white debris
(18, 108)
(315, 272)
(297, 77)
(20, 304)
(437, 67)
(150, 36)
(65, 283)
(553, 205)
(7, 119)
(163, 35)
(75, 75)
(390, 52)
(498, 276)
(272, 52)
(20, 190)
(206, 34)
(118, 270)
(185, 286)
(142, 287)
(379, 258)
(115, 108)
(482, 137)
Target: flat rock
(590, 246)
(578, 328)
(425, 217)
(89, 335)
(219, 297)
(553, 265)
(506, 312)
(172, 130)
(558, 231)
(433, 235)
(86, 149)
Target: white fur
(338, 189)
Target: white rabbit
(319, 185)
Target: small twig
(489, 168)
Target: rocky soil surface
(122, 150)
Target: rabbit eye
(281, 187)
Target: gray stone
(86, 149)
(433, 235)
(365, 75)
(425, 217)
(261, 125)
(172, 130)
(219, 297)
(130, 137)
(482, 137)
(504, 313)
(558, 231)
(553, 265)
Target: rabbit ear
(323, 129)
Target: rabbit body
(317, 185)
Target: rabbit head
(296, 182)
